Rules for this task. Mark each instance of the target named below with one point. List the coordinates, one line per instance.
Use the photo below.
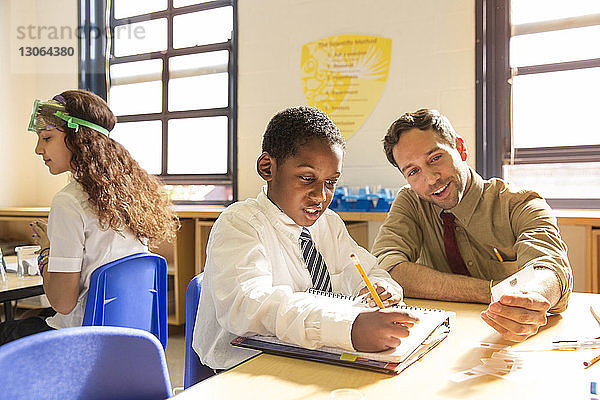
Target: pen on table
(497, 253)
(593, 361)
(365, 278)
(562, 345)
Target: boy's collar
(272, 202)
(279, 219)
(273, 208)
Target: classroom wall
(24, 179)
(433, 65)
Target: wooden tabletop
(550, 374)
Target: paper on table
(485, 345)
(502, 364)
(464, 375)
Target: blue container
(363, 201)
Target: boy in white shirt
(264, 253)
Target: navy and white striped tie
(314, 262)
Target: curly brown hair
(121, 193)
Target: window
(538, 82)
(171, 81)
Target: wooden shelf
(187, 255)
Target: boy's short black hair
(295, 126)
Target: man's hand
(517, 316)
(380, 330)
(388, 297)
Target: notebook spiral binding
(404, 307)
(354, 298)
(331, 294)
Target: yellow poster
(344, 76)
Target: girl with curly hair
(111, 208)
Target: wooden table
(18, 288)
(557, 375)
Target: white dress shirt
(77, 244)
(255, 281)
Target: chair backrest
(130, 292)
(194, 370)
(89, 362)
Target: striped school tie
(314, 262)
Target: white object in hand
(514, 283)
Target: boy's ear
(265, 166)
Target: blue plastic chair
(130, 292)
(90, 362)
(194, 370)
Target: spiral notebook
(433, 327)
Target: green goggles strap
(74, 123)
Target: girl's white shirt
(77, 244)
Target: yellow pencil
(497, 253)
(593, 361)
(361, 271)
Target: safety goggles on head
(52, 114)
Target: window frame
(493, 90)
(94, 76)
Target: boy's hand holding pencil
(381, 329)
(388, 298)
(378, 295)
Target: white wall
(433, 65)
(24, 179)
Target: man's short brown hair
(423, 119)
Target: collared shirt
(491, 214)
(255, 281)
(77, 244)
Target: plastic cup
(27, 260)
(346, 394)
